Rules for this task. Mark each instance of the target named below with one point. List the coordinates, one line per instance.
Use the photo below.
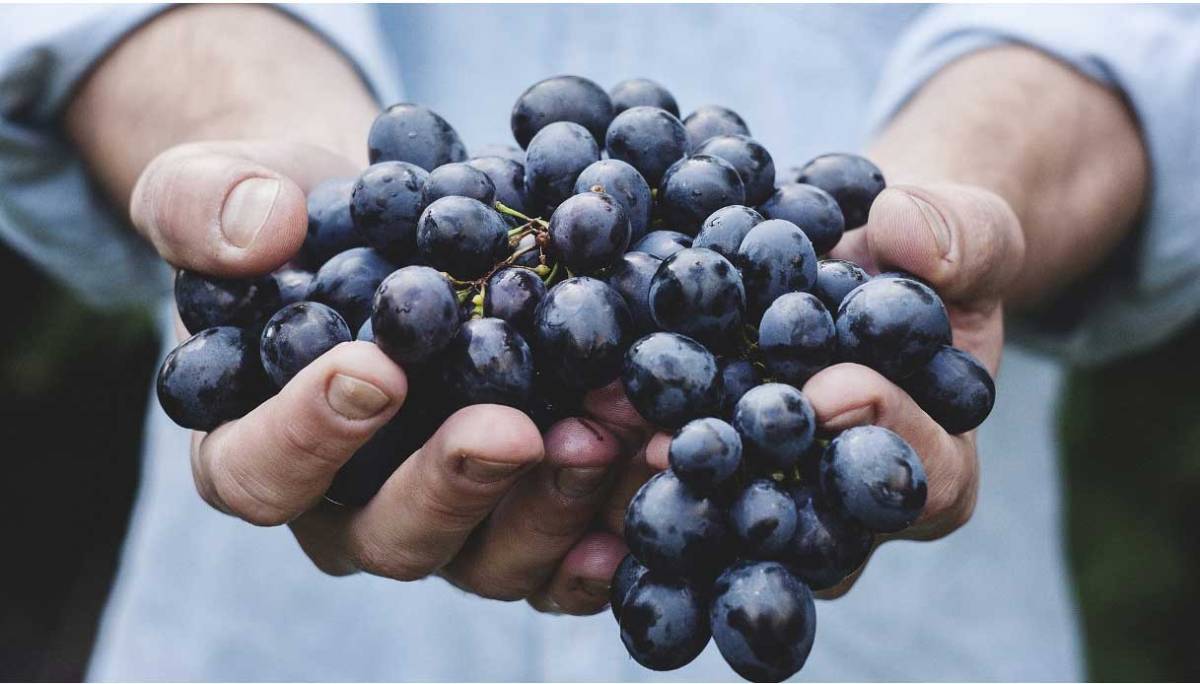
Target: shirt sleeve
(50, 211)
(1150, 288)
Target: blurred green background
(75, 384)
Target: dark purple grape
(212, 377)
(459, 179)
(671, 379)
(738, 376)
(674, 531)
(415, 134)
(776, 424)
(694, 187)
(664, 622)
(588, 232)
(649, 139)
(620, 180)
(386, 205)
(705, 453)
(763, 620)
(712, 120)
(623, 579)
(826, 546)
(875, 477)
(797, 338)
(488, 362)
(662, 243)
(293, 284)
(561, 99)
(462, 236)
(641, 92)
(954, 389)
(724, 230)
(775, 258)
(296, 336)
(630, 277)
(581, 331)
(698, 293)
(812, 209)
(555, 158)
(835, 280)
(207, 302)
(507, 176)
(330, 226)
(509, 152)
(894, 325)
(764, 518)
(852, 180)
(348, 281)
(752, 161)
(513, 294)
(552, 401)
(415, 315)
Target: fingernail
(597, 588)
(859, 415)
(247, 208)
(355, 399)
(579, 482)
(935, 222)
(487, 472)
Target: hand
(486, 503)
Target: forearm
(214, 72)
(1064, 152)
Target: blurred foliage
(1131, 450)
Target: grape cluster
(674, 259)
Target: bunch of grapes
(674, 258)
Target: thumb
(230, 208)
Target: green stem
(504, 209)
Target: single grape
(554, 159)
(415, 314)
(561, 99)
(623, 579)
(512, 294)
(694, 187)
(698, 293)
(649, 139)
(293, 284)
(751, 160)
(462, 236)
(212, 377)
(764, 518)
(552, 401)
(330, 226)
(674, 531)
(671, 379)
(509, 152)
(875, 477)
(763, 620)
(385, 205)
(738, 376)
(827, 546)
(835, 279)
(588, 232)
(581, 331)
(296, 336)
(776, 424)
(507, 176)
(664, 622)
(954, 389)
(641, 92)
(812, 209)
(724, 230)
(620, 180)
(662, 243)
(207, 302)
(488, 362)
(894, 325)
(458, 179)
(712, 120)
(852, 180)
(797, 338)
(775, 258)
(705, 453)
(630, 277)
(415, 134)
(348, 281)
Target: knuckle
(250, 501)
(391, 561)
(311, 441)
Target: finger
(846, 395)
(630, 477)
(842, 588)
(581, 583)
(537, 523)
(425, 511)
(230, 208)
(276, 461)
(610, 407)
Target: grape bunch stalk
(618, 242)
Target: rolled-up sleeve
(1152, 55)
(50, 211)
